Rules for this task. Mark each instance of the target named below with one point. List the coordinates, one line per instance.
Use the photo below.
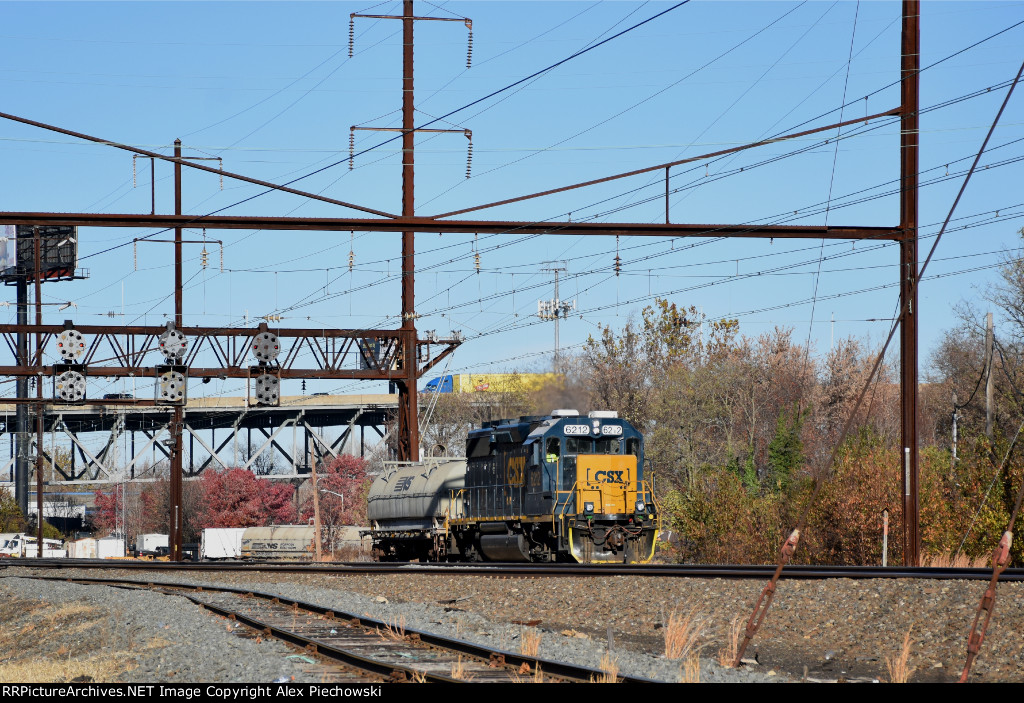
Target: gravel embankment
(819, 630)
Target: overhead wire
(424, 126)
(758, 615)
(831, 184)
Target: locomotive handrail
(649, 490)
(561, 509)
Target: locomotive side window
(553, 450)
(633, 446)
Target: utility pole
(38, 271)
(909, 138)
(989, 357)
(21, 416)
(408, 408)
(177, 415)
(554, 309)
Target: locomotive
(562, 487)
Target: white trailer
(222, 543)
(151, 542)
(82, 548)
(110, 548)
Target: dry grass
(681, 634)
(610, 667)
(32, 627)
(537, 677)
(899, 669)
(956, 561)
(394, 631)
(727, 654)
(102, 669)
(691, 669)
(529, 642)
(459, 671)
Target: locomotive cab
(606, 507)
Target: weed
(610, 668)
(955, 561)
(681, 634)
(727, 654)
(529, 642)
(899, 670)
(691, 668)
(394, 630)
(537, 677)
(459, 670)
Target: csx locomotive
(563, 487)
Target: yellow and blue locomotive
(563, 487)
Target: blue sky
(269, 87)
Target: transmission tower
(555, 309)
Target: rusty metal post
(910, 94)
(21, 412)
(408, 422)
(176, 421)
(40, 410)
(1000, 559)
(317, 539)
(152, 186)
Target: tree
(785, 453)
(237, 498)
(11, 517)
(666, 374)
(344, 486)
(108, 508)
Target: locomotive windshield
(579, 445)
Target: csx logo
(516, 467)
(609, 477)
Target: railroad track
(356, 648)
(535, 570)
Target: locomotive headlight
(588, 508)
(641, 506)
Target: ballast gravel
(198, 647)
(834, 630)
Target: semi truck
(490, 382)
